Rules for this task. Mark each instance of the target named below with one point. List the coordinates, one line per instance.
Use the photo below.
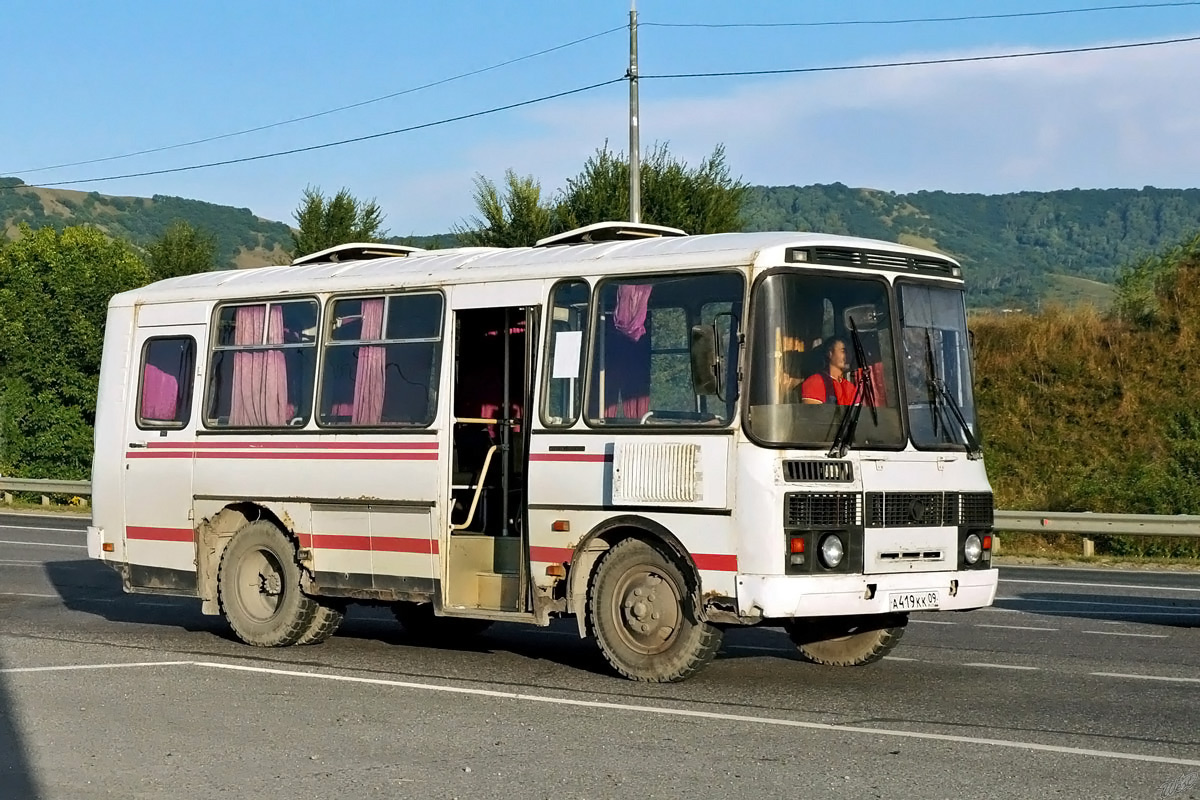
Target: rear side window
(166, 374)
(263, 365)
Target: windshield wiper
(938, 387)
(865, 391)
(939, 394)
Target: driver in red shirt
(830, 385)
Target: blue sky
(90, 80)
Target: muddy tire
(258, 587)
(847, 643)
(324, 624)
(642, 611)
(421, 623)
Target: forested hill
(243, 240)
(1017, 248)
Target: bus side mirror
(706, 364)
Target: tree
(518, 218)
(704, 199)
(182, 250)
(54, 293)
(340, 219)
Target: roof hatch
(357, 251)
(609, 232)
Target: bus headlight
(832, 551)
(972, 549)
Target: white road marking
(998, 666)
(712, 715)
(26, 594)
(47, 544)
(899, 658)
(20, 562)
(1015, 627)
(75, 667)
(1144, 677)
(1090, 603)
(1107, 585)
(1124, 633)
(932, 622)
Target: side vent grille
(977, 508)
(818, 471)
(822, 510)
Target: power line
(963, 60)
(965, 18)
(319, 113)
(325, 145)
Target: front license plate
(913, 601)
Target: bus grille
(820, 510)
(928, 509)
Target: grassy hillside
(1088, 412)
(243, 240)
(1020, 250)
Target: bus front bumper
(784, 596)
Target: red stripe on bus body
(367, 544)
(585, 457)
(551, 555)
(146, 454)
(211, 445)
(344, 456)
(147, 534)
(715, 562)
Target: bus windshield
(805, 361)
(937, 368)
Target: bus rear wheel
(258, 586)
(644, 615)
(853, 642)
(325, 622)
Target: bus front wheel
(644, 616)
(846, 642)
(258, 586)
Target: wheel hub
(649, 610)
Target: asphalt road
(1079, 683)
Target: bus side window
(382, 359)
(165, 394)
(263, 365)
(564, 354)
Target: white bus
(658, 434)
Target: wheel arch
(213, 535)
(608, 533)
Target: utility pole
(635, 167)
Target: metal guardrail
(1082, 523)
(1090, 524)
(43, 485)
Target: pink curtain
(632, 304)
(370, 376)
(259, 376)
(627, 356)
(160, 394)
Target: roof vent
(610, 232)
(356, 251)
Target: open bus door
(487, 561)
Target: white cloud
(1106, 119)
